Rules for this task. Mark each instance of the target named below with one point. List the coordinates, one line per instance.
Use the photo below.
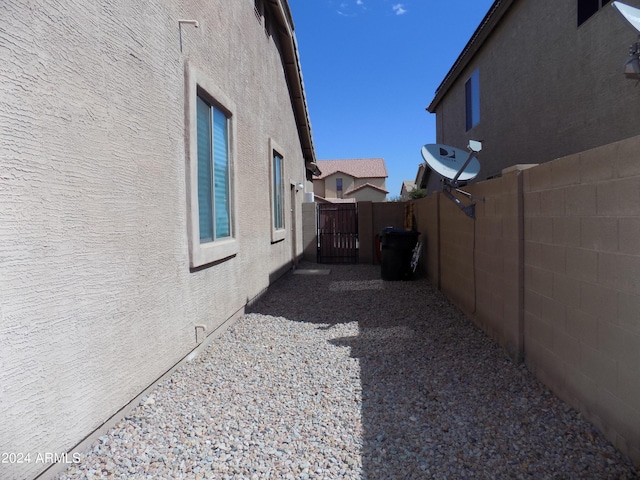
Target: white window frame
(201, 254)
(280, 233)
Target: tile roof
(354, 167)
(366, 185)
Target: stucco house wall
(327, 187)
(378, 182)
(368, 194)
(319, 187)
(97, 297)
(548, 88)
(330, 190)
(355, 173)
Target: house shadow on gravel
(439, 398)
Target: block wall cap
(518, 168)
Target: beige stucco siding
(547, 87)
(96, 296)
(318, 187)
(368, 195)
(378, 182)
(330, 184)
(327, 187)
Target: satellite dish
(632, 14)
(447, 161)
(454, 165)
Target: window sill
(206, 253)
(278, 235)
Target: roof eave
(293, 72)
(366, 185)
(331, 169)
(329, 173)
(484, 30)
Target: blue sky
(371, 67)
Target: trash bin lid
(397, 231)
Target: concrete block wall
(478, 263)
(582, 284)
(550, 269)
(309, 232)
(427, 213)
(366, 235)
(372, 218)
(497, 262)
(457, 256)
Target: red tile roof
(366, 185)
(354, 167)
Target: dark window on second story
(339, 193)
(588, 8)
(472, 100)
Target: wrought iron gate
(338, 233)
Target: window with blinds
(210, 137)
(278, 192)
(214, 215)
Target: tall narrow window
(210, 170)
(472, 100)
(339, 192)
(277, 186)
(278, 193)
(214, 216)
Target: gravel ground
(344, 376)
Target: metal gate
(337, 233)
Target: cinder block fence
(550, 269)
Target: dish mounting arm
(472, 155)
(468, 210)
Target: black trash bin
(397, 250)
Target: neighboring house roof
(484, 30)
(422, 176)
(408, 186)
(355, 167)
(366, 185)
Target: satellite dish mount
(632, 15)
(445, 161)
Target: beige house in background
(351, 180)
(538, 81)
(408, 186)
(151, 185)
